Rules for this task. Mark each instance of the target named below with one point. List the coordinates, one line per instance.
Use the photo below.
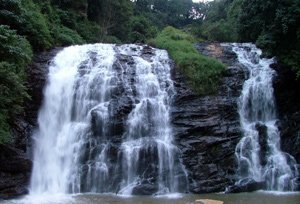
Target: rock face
(286, 87)
(207, 128)
(15, 170)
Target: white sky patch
(196, 1)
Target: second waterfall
(104, 124)
(259, 155)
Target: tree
(275, 27)
(143, 6)
(112, 15)
(220, 20)
(141, 29)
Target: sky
(200, 0)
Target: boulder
(145, 189)
(247, 185)
(209, 201)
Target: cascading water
(258, 152)
(104, 125)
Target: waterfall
(104, 126)
(258, 152)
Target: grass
(202, 73)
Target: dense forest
(32, 26)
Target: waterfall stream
(258, 152)
(105, 123)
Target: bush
(141, 29)
(14, 48)
(15, 54)
(25, 17)
(111, 39)
(12, 95)
(90, 31)
(66, 36)
(68, 27)
(202, 73)
(220, 31)
(35, 26)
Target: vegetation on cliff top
(202, 73)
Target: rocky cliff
(15, 170)
(287, 86)
(207, 127)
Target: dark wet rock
(207, 128)
(215, 50)
(15, 170)
(37, 78)
(145, 189)
(286, 90)
(247, 185)
(263, 142)
(147, 50)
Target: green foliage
(163, 13)
(25, 17)
(111, 39)
(221, 31)
(275, 27)
(221, 21)
(89, 31)
(65, 36)
(35, 26)
(15, 54)
(68, 27)
(12, 94)
(113, 16)
(45, 24)
(12, 90)
(14, 48)
(202, 73)
(141, 29)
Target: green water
(243, 198)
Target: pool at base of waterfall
(260, 197)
